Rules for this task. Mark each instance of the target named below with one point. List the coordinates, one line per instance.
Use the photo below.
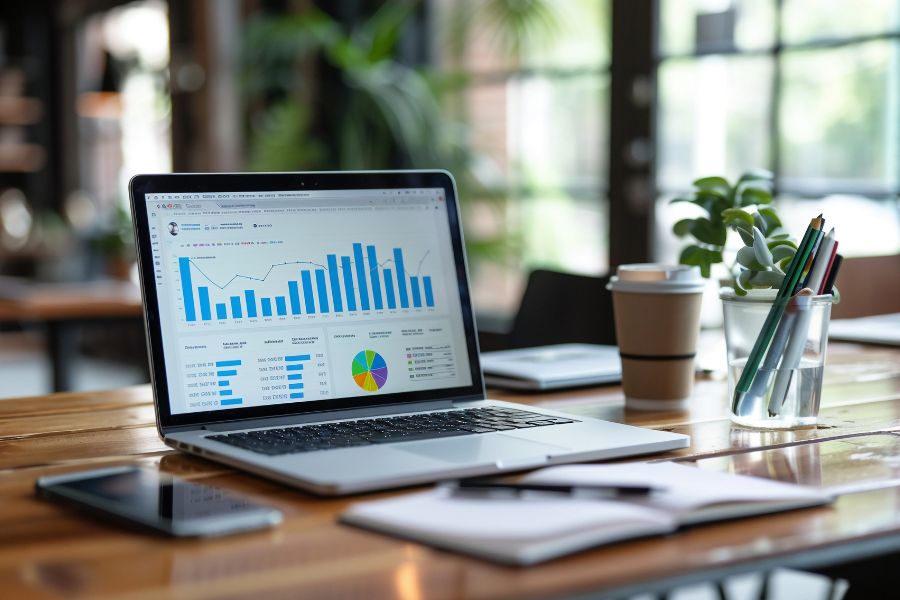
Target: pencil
(791, 279)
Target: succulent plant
(744, 207)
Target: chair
(559, 308)
(869, 285)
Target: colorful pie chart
(369, 370)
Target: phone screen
(163, 502)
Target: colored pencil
(791, 279)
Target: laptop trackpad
(481, 449)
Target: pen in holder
(787, 388)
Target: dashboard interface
(278, 297)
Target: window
(807, 88)
(533, 86)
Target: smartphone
(150, 499)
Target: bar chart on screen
(340, 285)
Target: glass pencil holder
(785, 390)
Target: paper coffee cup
(657, 318)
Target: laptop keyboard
(406, 428)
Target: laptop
(317, 329)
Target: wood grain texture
(50, 551)
(95, 300)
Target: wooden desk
(51, 551)
(61, 308)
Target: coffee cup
(657, 318)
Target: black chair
(559, 308)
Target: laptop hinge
(351, 413)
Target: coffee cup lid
(657, 279)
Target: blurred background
(567, 123)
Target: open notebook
(537, 527)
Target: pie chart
(369, 370)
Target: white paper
(686, 488)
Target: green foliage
(744, 207)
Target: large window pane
(488, 36)
(689, 26)
(839, 118)
(558, 131)
(556, 230)
(713, 118)
(805, 20)
(863, 226)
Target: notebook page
(686, 488)
(439, 513)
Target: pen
(782, 298)
(618, 490)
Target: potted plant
(744, 207)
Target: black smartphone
(158, 501)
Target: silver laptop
(317, 329)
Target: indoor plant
(744, 207)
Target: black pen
(617, 490)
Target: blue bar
(221, 313)
(280, 306)
(294, 376)
(348, 283)
(401, 278)
(307, 292)
(429, 295)
(250, 299)
(389, 288)
(227, 373)
(296, 357)
(205, 313)
(295, 297)
(266, 306)
(224, 383)
(236, 307)
(187, 289)
(297, 395)
(226, 392)
(320, 286)
(228, 363)
(335, 286)
(294, 367)
(295, 386)
(373, 275)
(361, 277)
(417, 298)
(227, 401)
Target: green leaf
(746, 234)
(760, 249)
(682, 227)
(713, 184)
(778, 241)
(746, 257)
(756, 175)
(750, 195)
(782, 252)
(708, 233)
(767, 279)
(771, 218)
(701, 257)
(784, 263)
(733, 216)
(742, 283)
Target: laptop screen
(276, 297)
